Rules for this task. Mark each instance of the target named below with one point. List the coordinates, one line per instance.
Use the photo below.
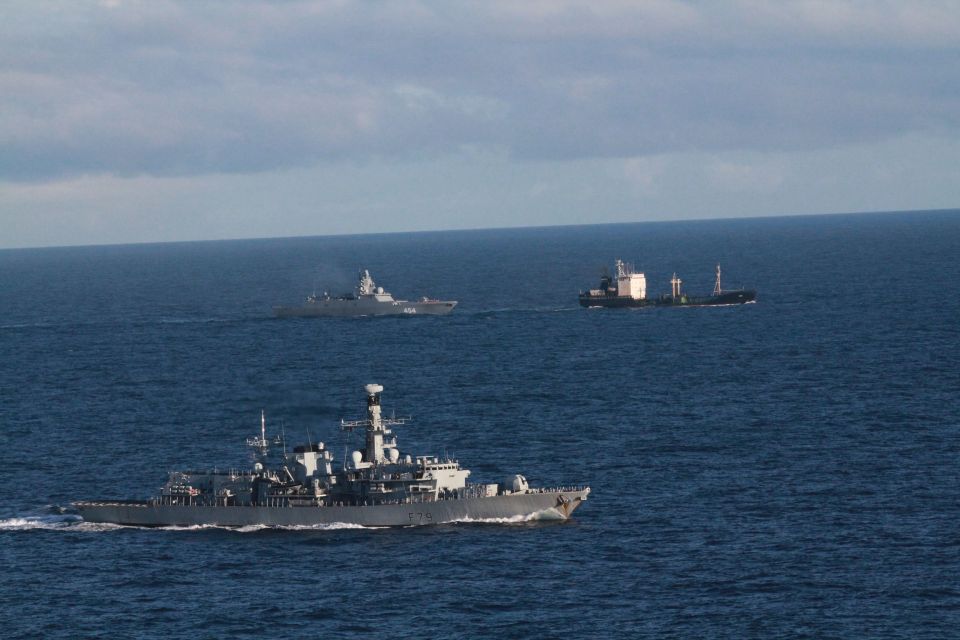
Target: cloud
(745, 177)
(168, 88)
(479, 190)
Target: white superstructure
(630, 284)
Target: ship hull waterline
(729, 298)
(334, 308)
(555, 505)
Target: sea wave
(547, 515)
(330, 526)
(63, 522)
(73, 522)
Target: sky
(155, 120)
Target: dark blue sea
(784, 469)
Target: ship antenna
(283, 438)
(260, 444)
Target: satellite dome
(373, 388)
(518, 483)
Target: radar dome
(519, 483)
(356, 456)
(394, 454)
(373, 388)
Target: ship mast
(261, 444)
(376, 426)
(375, 432)
(716, 288)
(367, 285)
(676, 282)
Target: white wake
(73, 522)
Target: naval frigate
(367, 300)
(377, 486)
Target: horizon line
(477, 229)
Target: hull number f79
(420, 517)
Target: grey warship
(367, 300)
(377, 486)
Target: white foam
(546, 514)
(52, 523)
(73, 522)
(330, 526)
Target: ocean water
(789, 468)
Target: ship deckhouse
(630, 283)
(381, 464)
(368, 288)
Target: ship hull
(355, 308)
(742, 296)
(547, 505)
(615, 302)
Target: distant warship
(368, 300)
(630, 290)
(378, 486)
